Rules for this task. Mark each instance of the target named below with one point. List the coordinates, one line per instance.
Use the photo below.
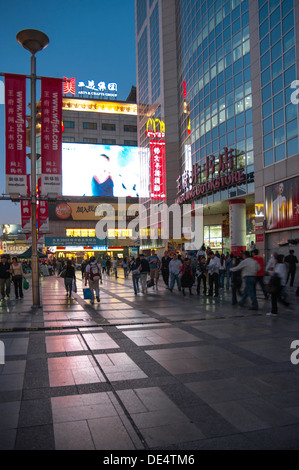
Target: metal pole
(34, 259)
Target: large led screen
(100, 170)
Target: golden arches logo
(155, 127)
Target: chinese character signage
(51, 135)
(100, 89)
(158, 169)
(26, 210)
(282, 204)
(15, 134)
(216, 174)
(42, 213)
(69, 86)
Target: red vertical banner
(158, 169)
(51, 135)
(15, 134)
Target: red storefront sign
(15, 134)
(158, 169)
(51, 135)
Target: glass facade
(278, 70)
(214, 45)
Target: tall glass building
(221, 76)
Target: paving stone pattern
(140, 372)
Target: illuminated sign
(100, 89)
(158, 170)
(69, 86)
(91, 88)
(155, 128)
(259, 210)
(196, 182)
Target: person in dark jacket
(201, 274)
(187, 276)
(70, 276)
(291, 261)
(144, 269)
(165, 268)
(4, 278)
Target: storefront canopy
(28, 254)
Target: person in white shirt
(271, 263)
(213, 271)
(279, 280)
(249, 268)
(174, 271)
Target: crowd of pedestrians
(11, 272)
(207, 272)
(204, 272)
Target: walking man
(213, 271)
(93, 275)
(261, 272)
(291, 261)
(249, 268)
(165, 268)
(144, 270)
(4, 277)
(175, 270)
(154, 264)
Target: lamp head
(32, 40)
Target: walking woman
(69, 278)
(17, 272)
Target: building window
(68, 139)
(130, 128)
(89, 140)
(89, 125)
(69, 124)
(130, 143)
(108, 127)
(109, 141)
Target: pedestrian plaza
(160, 371)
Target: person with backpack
(93, 275)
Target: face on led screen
(100, 170)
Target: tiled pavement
(160, 371)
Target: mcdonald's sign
(155, 128)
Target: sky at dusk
(89, 40)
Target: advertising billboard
(100, 170)
(282, 204)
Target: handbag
(63, 273)
(150, 283)
(25, 284)
(86, 293)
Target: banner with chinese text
(42, 212)
(15, 134)
(26, 210)
(51, 135)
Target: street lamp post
(34, 41)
